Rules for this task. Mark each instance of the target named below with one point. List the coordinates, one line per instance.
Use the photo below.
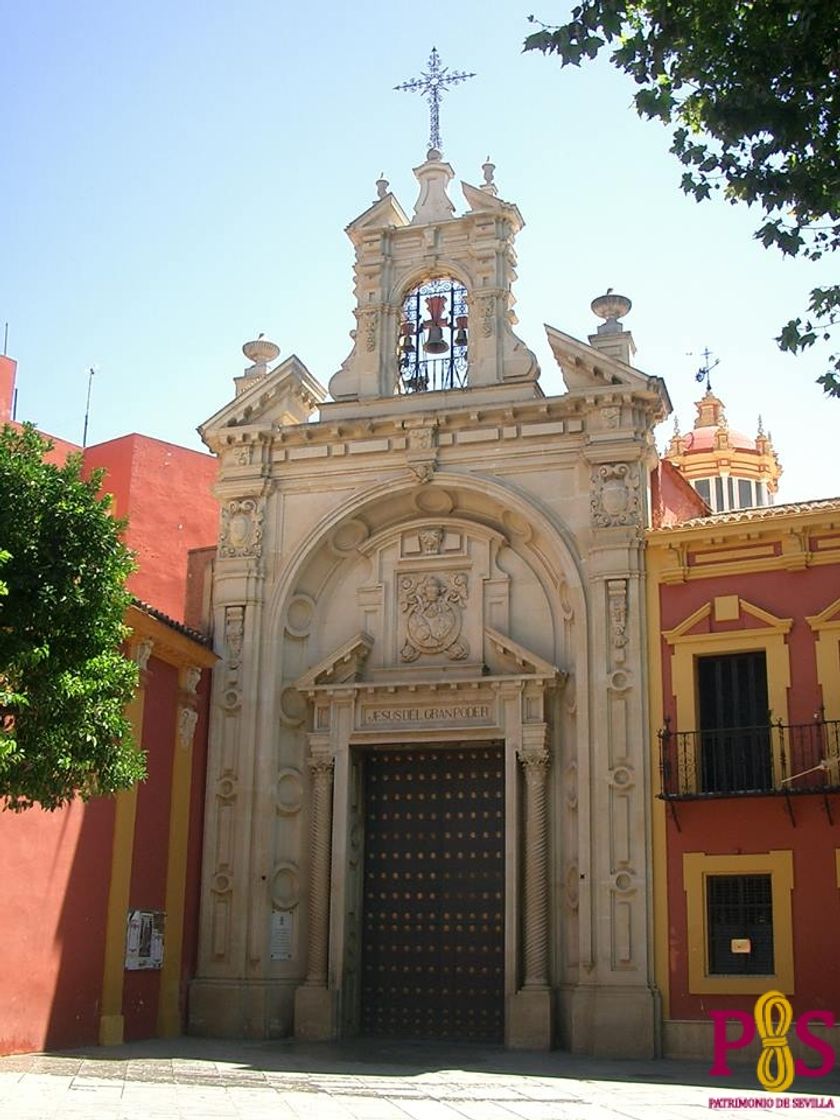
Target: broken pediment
(288, 395)
(505, 656)
(343, 666)
(481, 201)
(384, 213)
(828, 619)
(585, 368)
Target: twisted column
(535, 762)
(321, 768)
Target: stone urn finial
(260, 352)
(610, 307)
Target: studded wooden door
(433, 933)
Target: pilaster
(112, 1021)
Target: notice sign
(282, 931)
(144, 939)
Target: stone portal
(442, 556)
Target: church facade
(429, 786)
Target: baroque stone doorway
(432, 961)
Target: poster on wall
(282, 929)
(144, 939)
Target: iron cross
(432, 84)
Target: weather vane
(433, 82)
(704, 373)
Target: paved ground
(197, 1079)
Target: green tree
(64, 684)
(753, 90)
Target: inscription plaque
(440, 712)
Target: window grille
(739, 915)
(433, 337)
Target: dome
(705, 438)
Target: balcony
(749, 761)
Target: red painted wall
(733, 826)
(55, 873)
(8, 370)
(165, 491)
(672, 499)
(761, 824)
(784, 594)
(151, 838)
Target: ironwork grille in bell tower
(433, 337)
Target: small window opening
(433, 337)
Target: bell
(461, 333)
(435, 343)
(408, 344)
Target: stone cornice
(536, 416)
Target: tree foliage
(64, 684)
(753, 90)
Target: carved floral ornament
(242, 527)
(187, 720)
(433, 605)
(617, 595)
(615, 495)
(421, 454)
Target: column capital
(320, 765)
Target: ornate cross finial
(432, 84)
(704, 373)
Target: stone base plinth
(316, 1014)
(530, 1020)
(240, 1008)
(611, 1022)
(111, 1029)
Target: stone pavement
(210, 1079)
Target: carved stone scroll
(242, 528)
(615, 495)
(234, 634)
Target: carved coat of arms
(433, 605)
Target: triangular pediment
(342, 666)
(717, 616)
(828, 619)
(584, 368)
(383, 213)
(289, 394)
(483, 201)
(516, 659)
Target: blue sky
(177, 178)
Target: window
(739, 898)
(704, 489)
(718, 503)
(735, 751)
(745, 498)
(739, 920)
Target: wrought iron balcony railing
(738, 761)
